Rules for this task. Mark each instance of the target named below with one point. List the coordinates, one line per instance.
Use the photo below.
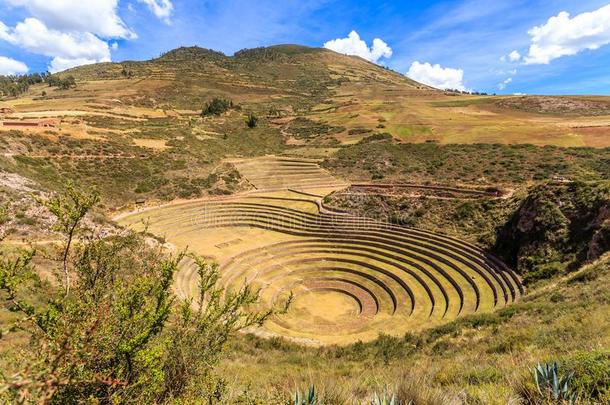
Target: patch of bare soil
(16, 182)
(159, 144)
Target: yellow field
(417, 116)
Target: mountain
(291, 76)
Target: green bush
(216, 107)
(591, 375)
(112, 330)
(544, 272)
(251, 120)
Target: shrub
(544, 272)
(216, 107)
(251, 120)
(118, 334)
(591, 378)
(63, 83)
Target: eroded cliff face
(600, 242)
(556, 228)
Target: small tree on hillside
(67, 83)
(216, 107)
(251, 120)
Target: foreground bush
(112, 331)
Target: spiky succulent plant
(553, 386)
(384, 400)
(309, 398)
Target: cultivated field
(352, 277)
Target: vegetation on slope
(189, 166)
(12, 86)
(478, 163)
(299, 75)
(556, 227)
(109, 328)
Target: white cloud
(514, 56)
(353, 45)
(10, 66)
(98, 17)
(71, 32)
(437, 76)
(66, 48)
(504, 83)
(160, 8)
(565, 36)
(58, 63)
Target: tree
(251, 120)
(69, 209)
(67, 83)
(216, 107)
(62, 83)
(121, 335)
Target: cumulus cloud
(160, 8)
(565, 36)
(437, 76)
(514, 56)
(504, 83)
(74, 33)
(354, 45)
(10, 66)
(98, 17)
(66, 48)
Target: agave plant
(551, 385)
(384, 400)
(310, 398)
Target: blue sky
(462, 44)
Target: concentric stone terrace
(280, 173)
(352, 277)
